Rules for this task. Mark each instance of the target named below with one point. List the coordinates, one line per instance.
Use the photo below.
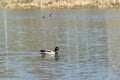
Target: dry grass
(61, 4)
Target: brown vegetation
(58, 3)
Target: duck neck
(56, 52)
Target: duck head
(57, 49)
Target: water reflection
(83, 38)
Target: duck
(43, 17)
(51, 15)
(54, 52)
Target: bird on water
(45, 52)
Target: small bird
(43, 17)
(49, 52)
(51, 15)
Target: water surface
(88, 38)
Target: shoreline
(53, 4)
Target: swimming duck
(49, 52)
(51, 15)
(43, 17)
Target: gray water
(88, 38)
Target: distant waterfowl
(45, 52)
(51, 15)
(43, 17)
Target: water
(88, 38)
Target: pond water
(88, 39)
